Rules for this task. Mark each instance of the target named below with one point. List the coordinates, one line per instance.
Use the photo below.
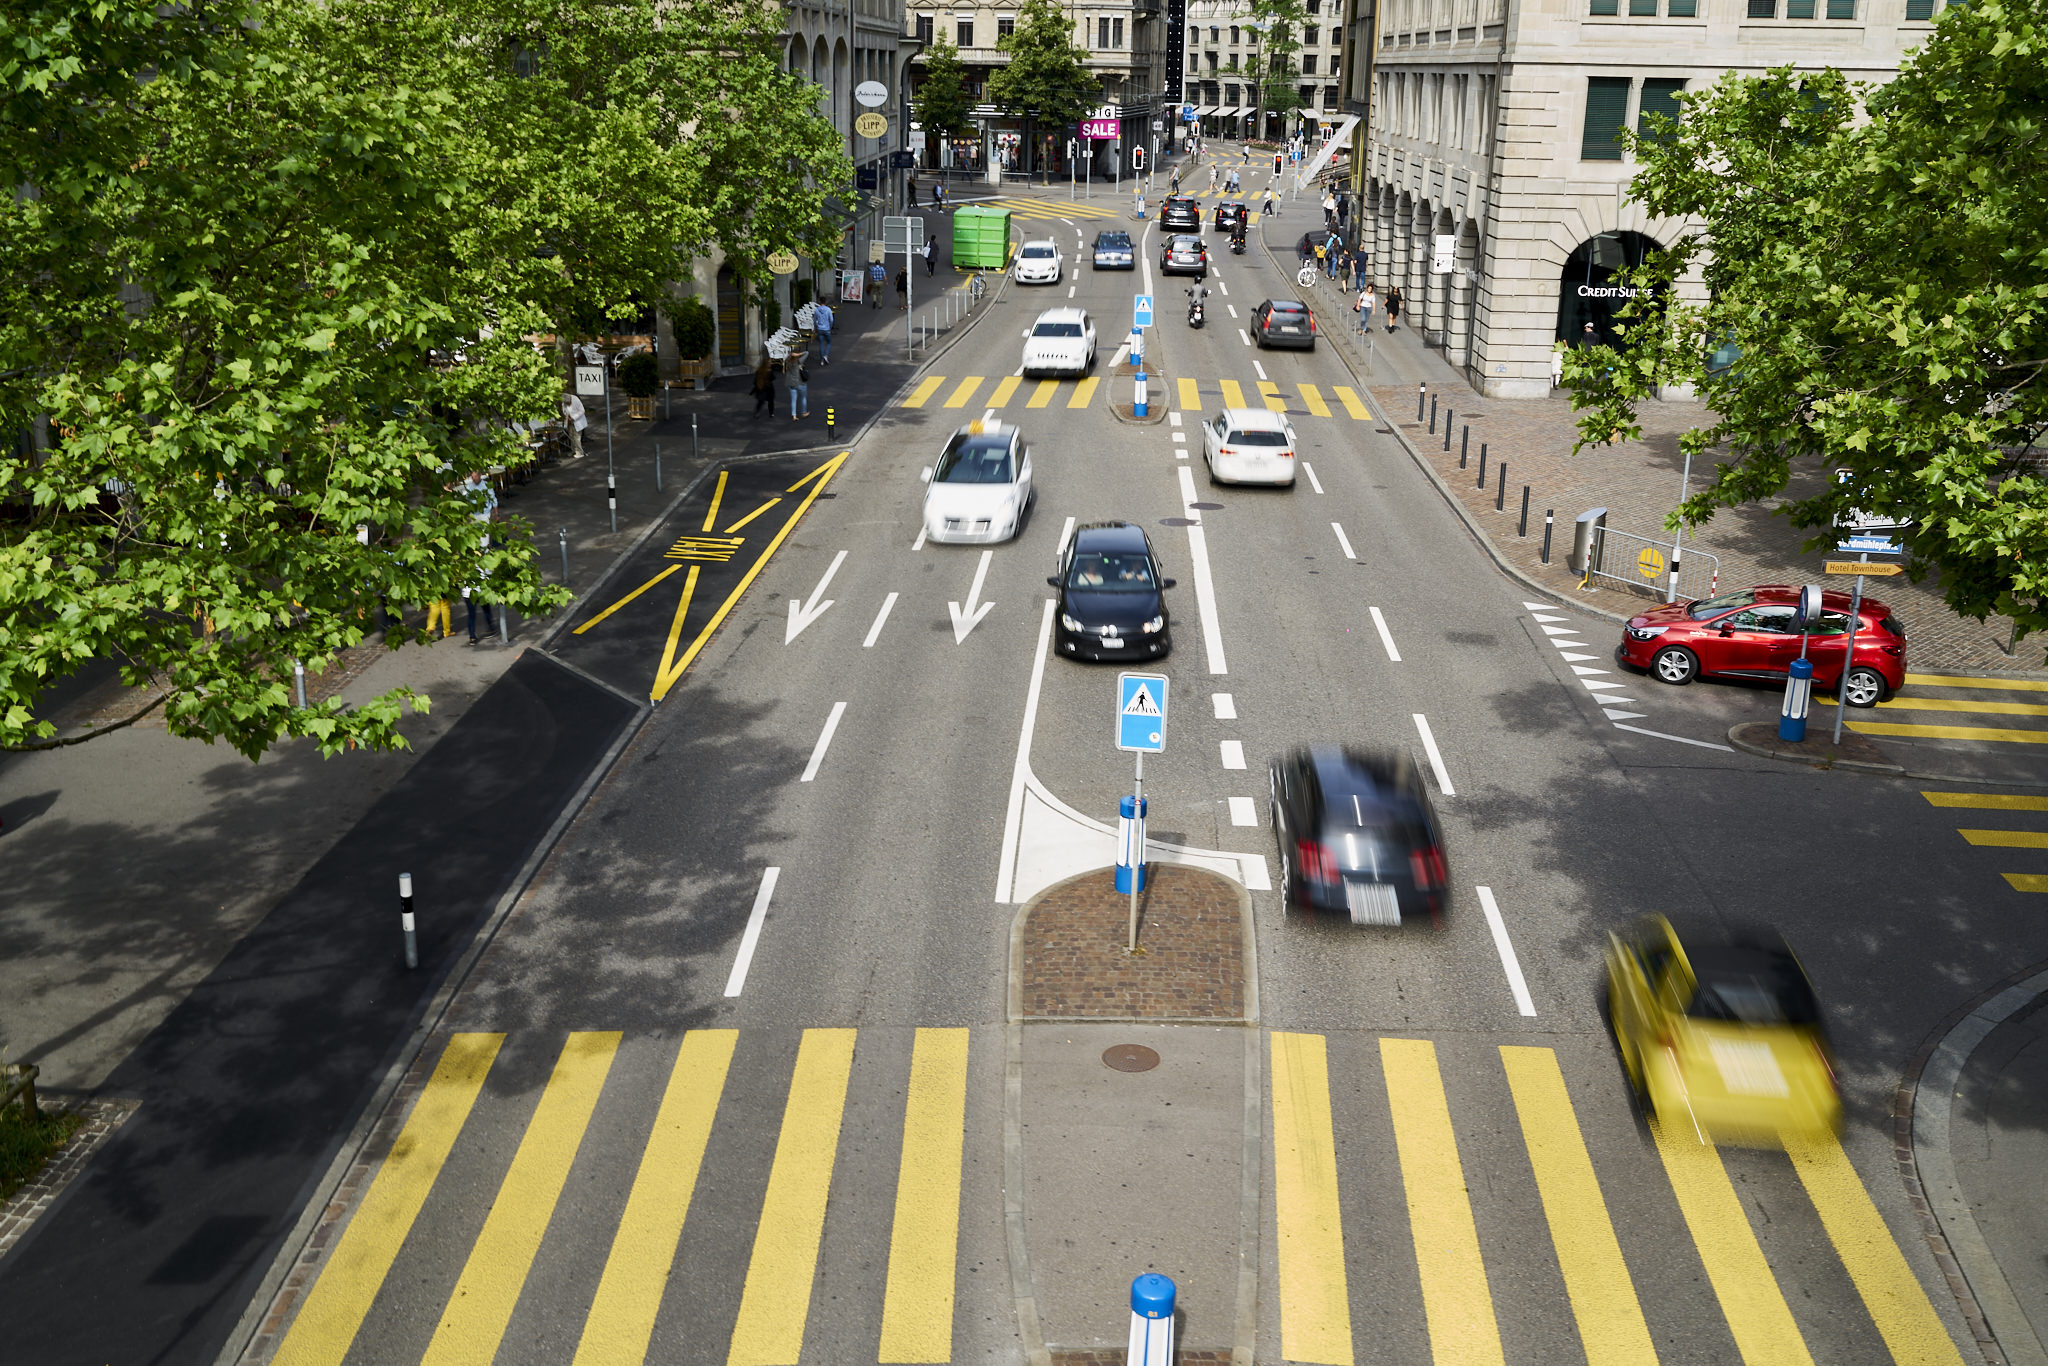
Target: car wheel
(1286, 882)
(1864, 687)
(1676, 665)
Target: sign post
(1140, 729)
(591, 381)
(905, 234)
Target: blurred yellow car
(1720, 1033)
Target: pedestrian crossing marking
(2006, 839)
(1890, 1290)
(340, 1300)
(1190, 396)
(621, 1319)
(777, 1298)
(1991, 733)
(1233, 394)
(2028, 882)
(1751, 1301)
(1188, 393)
(1456, 1299)
(1350, 401)
(1270, 392)
(1315, 1302)
(1989, 684)
(1959, 704)
(917, 1306)
(1993, 801)
(1596, 1279)
(963, 391)
(474, 1323)
(1083, 392)
(1313, 397)
(1042, 395)
(1003, 391)
(925, 389)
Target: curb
(1827, 761)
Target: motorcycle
(1194, 309)
(1237, 242)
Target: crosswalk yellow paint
(1315, 1303)
(1004, 390)
(1610, 1318)
(1313, 397)
(1190, 396)
(2007, 839)
(2028, 882)
(777, 1298)
(1455, 1297)
(1986, 733)
(1987, 801)
(1233, 394)
(474, 1322)
(1042, 395)
(926, 387)
(1270, 393)
(1974, 705)
(334, 1309)
(1083, 392)
(917, 1306)
(621, 1319)
(1350, 401)
(963, 391)
(1965, 681)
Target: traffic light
(1137, 158)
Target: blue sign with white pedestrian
(1141, 713)
(1141, 311)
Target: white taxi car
(1062, 341)
(1249, 446)
(979, 490)
(1039, 263)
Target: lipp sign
(1099, 130)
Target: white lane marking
(1013, 820)
(1344, 541)
(1243, 337)
(1541, 606)
(1222, 285)
(1538, 616)
(1225, 705)
(1118, 358)
(1256, 878)
(738, 981)
(1386, 637)
(875, 631)
(1205, 586)
(1180, 453)
(967, 618)
(1233, 753)
(1260, 368)
(802, 614)
(1070, 291)
(1436, 758)
(1574, 659)
(1179, 437)
(1187, 495)
(1561, 631)
(1174, 417)
(1243, 812)
(1587, 671)
(918, 544)
(1310, 471)
(1066, 531)
(1615, 715)
(1508, 962)
(1703, 744)
(824, 742)
(1232, 308)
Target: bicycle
(1307, 276)
(976, 287)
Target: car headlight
(1646, 632)
(1154, 626)
(1070, 623)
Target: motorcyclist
(1196, 294)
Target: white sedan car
(1062, 341)
(980, 488)
(1249, 446)
(1039, 263)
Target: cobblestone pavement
(28, 1204)
(1189, 927)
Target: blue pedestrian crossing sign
(1141, 713)
(1141, 311)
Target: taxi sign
(1141, 713)
(1878, 570)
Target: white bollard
(405, 920)
(1151, 1342)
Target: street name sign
(1141, 713)
(1879, 570)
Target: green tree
(1046, 80)
(1281, 21)
(1877, 259)
(942, 105)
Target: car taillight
(1316, 863)
(1892, 650)
(1311, 324)
(1428, 867)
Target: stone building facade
(1221, 50)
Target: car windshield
(1041, 251)
(1187, 244)
(1113, 239)
(1713, 607)
(1057, 330)
(1751, 985)
(1111, 572)
(1258, 438)
(975, 462)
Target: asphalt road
(806, 840)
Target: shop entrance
(1587, 292)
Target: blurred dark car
(1284, 322)
(1180, 212)
(1112, 595)
(1358, 836)
(1184, 255)
(1230, 214)
(1113, 251)
(1755, 633)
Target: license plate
(1372, 903)
(1113, 642)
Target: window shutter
(1919, 10)
(1606, 114)
(1660, 96)
(1603, 7)
(1763, 9)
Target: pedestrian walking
(470, 597)
(913, 191)
(764, 388)
(903, 289)
(1393, 306)
(878, 275)
(1366, 305)
(1212, 180)
(1330, 252)
(821, 320)
(1360, 263)
(939, 195)
(1267, 207)
(575, 419)
(1247, 153)
(437, 610)
(931, 255)
(799, 387)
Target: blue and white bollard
(1151, 1320)
(1798, 697)
(1138, 397)
(1130, 847)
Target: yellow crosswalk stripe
(1270, 392)
(963, 391)
(1991, 801)
(621, 1319)
(1190, 396)
(925, 389)
(1350, 401)
(1083, 392)
(1233, 394)
(1042, 395)
(1003, 391)
(2028, 882)
(2007, 839)
(917, 1306)
(1455, 1297)
(1750, 1299)
(1315, 1303)
(1890, 1290)
(1596, 1279)
(488, 1289)
(339, 1301)
(1989, 684)
(1959, 704)
(1313, 397)
(2013, 737)
(777, 1298)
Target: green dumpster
(981, 237)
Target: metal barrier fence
(1645, 566)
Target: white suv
(1062, 341)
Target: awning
(1232, 111)
(1204, 111)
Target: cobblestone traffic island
(1192, 924)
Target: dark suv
(1180, 212)
(1112, 595)
(1358, 837)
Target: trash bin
(981, 237)
(1584, 558)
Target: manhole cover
(1206, 507)
(1178, 521)
(1131, 1057)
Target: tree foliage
(1282, 22)
(1878, 258)
(267, 290)
(943, 107)
(1046, 80)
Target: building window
(1194, 63)
(1605, 8)
(1660, 96)
(1102, 32)
(1308, 63)
(1233, 35)
(924, 29)
(963, 33)
(1230, 94)
(1641, 9)
(1004, 28)
(1682, 9)
(1216, 34)
(1314, 6)
(1116, 32)
(1213, 60)
(1311, 35)
(1606, 116)
(1841, 9)
(1763, 9)
(1919, 11)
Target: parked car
(1229, 214)
(978, 491)
(1184, 254)
(1062, 341)
(1284, 322)
(1039, 263)
(1113, 251)
(1180, 213)
(1358, 836)
(1112, 597)
(1755, 633)
(1249, 446)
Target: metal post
(1678, 536)
(611, 495)
(1449, 417)
(693, 437)
(1522, 527)
(1500, 492)
(1464, 445)
(668, 394)
(1137, 854)
(657, 465)
(565, 556)
(405, 920)
(831, 423)
(299, 681)
(1432, 415)
(1849, 659)
(1549, 516)
(1482, 466)
(1421, 397)
(608, 432)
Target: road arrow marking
(965, 620)
(804, 613)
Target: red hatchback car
(1755, 634)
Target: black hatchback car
(1284, 322)
(1180, 213)
(1358, 836)
(1112, 595)
(1230, 214)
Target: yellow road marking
(339, 1301)
(1083, 392)
(2015, 737)
(1313, 397)
(1270, 392)
(924, 390)
(2007, 839)
(2028, 882)
(963, 391)
(1962, 704)
(621, 1319)
(675, 630)
(1350, 401)
(666, 677)
(1988, 684)
(628, 598)
(1315, 1303)
(1233, 394)
(717, 497)
(1994, 801)
(777, 1298)
(1003, 391)
(917, 1306)
(1190, 396)
(1455, 1296)
(1750, 1299)
(752, 515)
(1890, 1290)
(1596, 1279)
(488, 1289)
(1042, 395)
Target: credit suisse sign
(1099, 129)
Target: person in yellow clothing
(438, 611)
